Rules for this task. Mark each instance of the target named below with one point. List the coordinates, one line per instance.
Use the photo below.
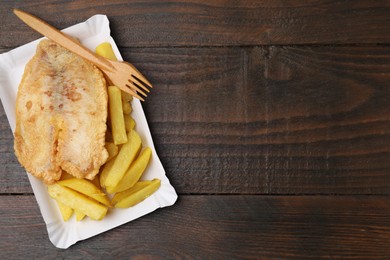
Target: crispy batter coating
(61, 111)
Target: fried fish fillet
(61, 112)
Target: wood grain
(13, 178)
(216, 23)
(262, 120)
(219, 227)
(298, 120)
(252, 99)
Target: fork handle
(62, 39)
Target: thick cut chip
(106, 170)
(66, 212)
(122, 195)
(77, 201)
(136, 194)
(79, 216)
(126, 107)
(61, 111)
(126, 97)
(112, 150)
(116, 115)
(125, 157)
(134, 173)
(87, 188)
(105, 50)
(129, 123)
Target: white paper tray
(64, 234)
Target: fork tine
(133, 93)
(138, 83)
(141, 78)
(133, 86)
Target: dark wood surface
(218, 226)
(271, 118)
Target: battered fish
(61, 111)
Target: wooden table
(272, 119)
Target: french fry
(116, 115)
(135, 195)
(105, 50)
(121, 172)
(125, 157)
(79, 215)
(126, 107)
(87, 188)
(134, 173)
(126, 97)
(112, 150)
(77, 201)
(66, 212)
(129, 122)
(106, 170)
(121, 195)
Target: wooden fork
(122, 74)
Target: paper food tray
(64, 234)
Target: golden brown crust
(61, 111)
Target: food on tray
(61, 111)
(77, 201)
(78, 188)
(139, 192)
(122, 161)
(104, 173)
(87, 188)
(116, 115)
(79, 216)
(134, 173)
(126, 97)
(126, 107)
(66, 212)
(62, 135)
(105, 50)
(112, 150)
(129, 123)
